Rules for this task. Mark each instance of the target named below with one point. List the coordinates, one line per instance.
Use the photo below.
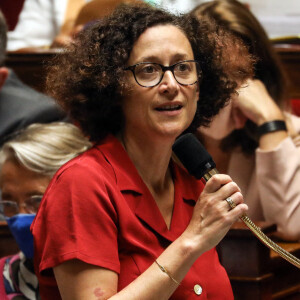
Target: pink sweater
(270, 183)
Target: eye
(183, 67)
(32, 203)
(147, 69)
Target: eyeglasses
(11, 208)
(148, 74)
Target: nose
(169, 83)
(22, 210)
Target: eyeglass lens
(150, 74)
(11, 208)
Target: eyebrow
(34, 193)
(176, 57)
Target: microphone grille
(193, 155)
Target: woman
(125, 221)
(253, 139)
(28, 162)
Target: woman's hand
(212, 216)
(254, 101)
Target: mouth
(169, 107)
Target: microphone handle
(257, 231)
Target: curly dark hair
(88, 78)
(235, 17)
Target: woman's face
(168, 108)
(228, 119)
(18, 184)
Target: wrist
(268, 116)
(190, 246)
(271, 126)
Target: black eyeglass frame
(29, 207)
(164, 69)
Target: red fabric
(97, 209)
(3, 295)
(11, 9)
(295, 103)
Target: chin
(171, 133)
(172, 129)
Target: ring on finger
(230, 202)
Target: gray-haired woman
(27, 163)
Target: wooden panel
(30, 66)
(290, 57)
(255, 271)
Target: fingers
(233, 201)
(216, 181)
(221, 183)
(212, 215)
(221, 187)
(235, 213)
(236, 199)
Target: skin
(147, 137)
(252, 102)
(158, 129)
(17, 183)
(257, 105)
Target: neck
(150, 158)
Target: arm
(256, 104)
(277, 161)
(278, 173)
(210, 222)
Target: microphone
(200, 164)
(194, 157)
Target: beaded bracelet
(165, 271)
(272, 126)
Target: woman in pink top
(254, 139)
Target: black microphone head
(193, 155)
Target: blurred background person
(254, 139)
(53, 23)
(89, 13)
(40, 21)
(20, 105)
(27, 163)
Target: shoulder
(91, 163)
(15, 89)
(88, 173)
(21, 106)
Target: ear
(3, 76)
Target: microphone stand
(202, 166)
(259, 234)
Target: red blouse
(97, 209)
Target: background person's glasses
(148, 74)
(11, 208)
